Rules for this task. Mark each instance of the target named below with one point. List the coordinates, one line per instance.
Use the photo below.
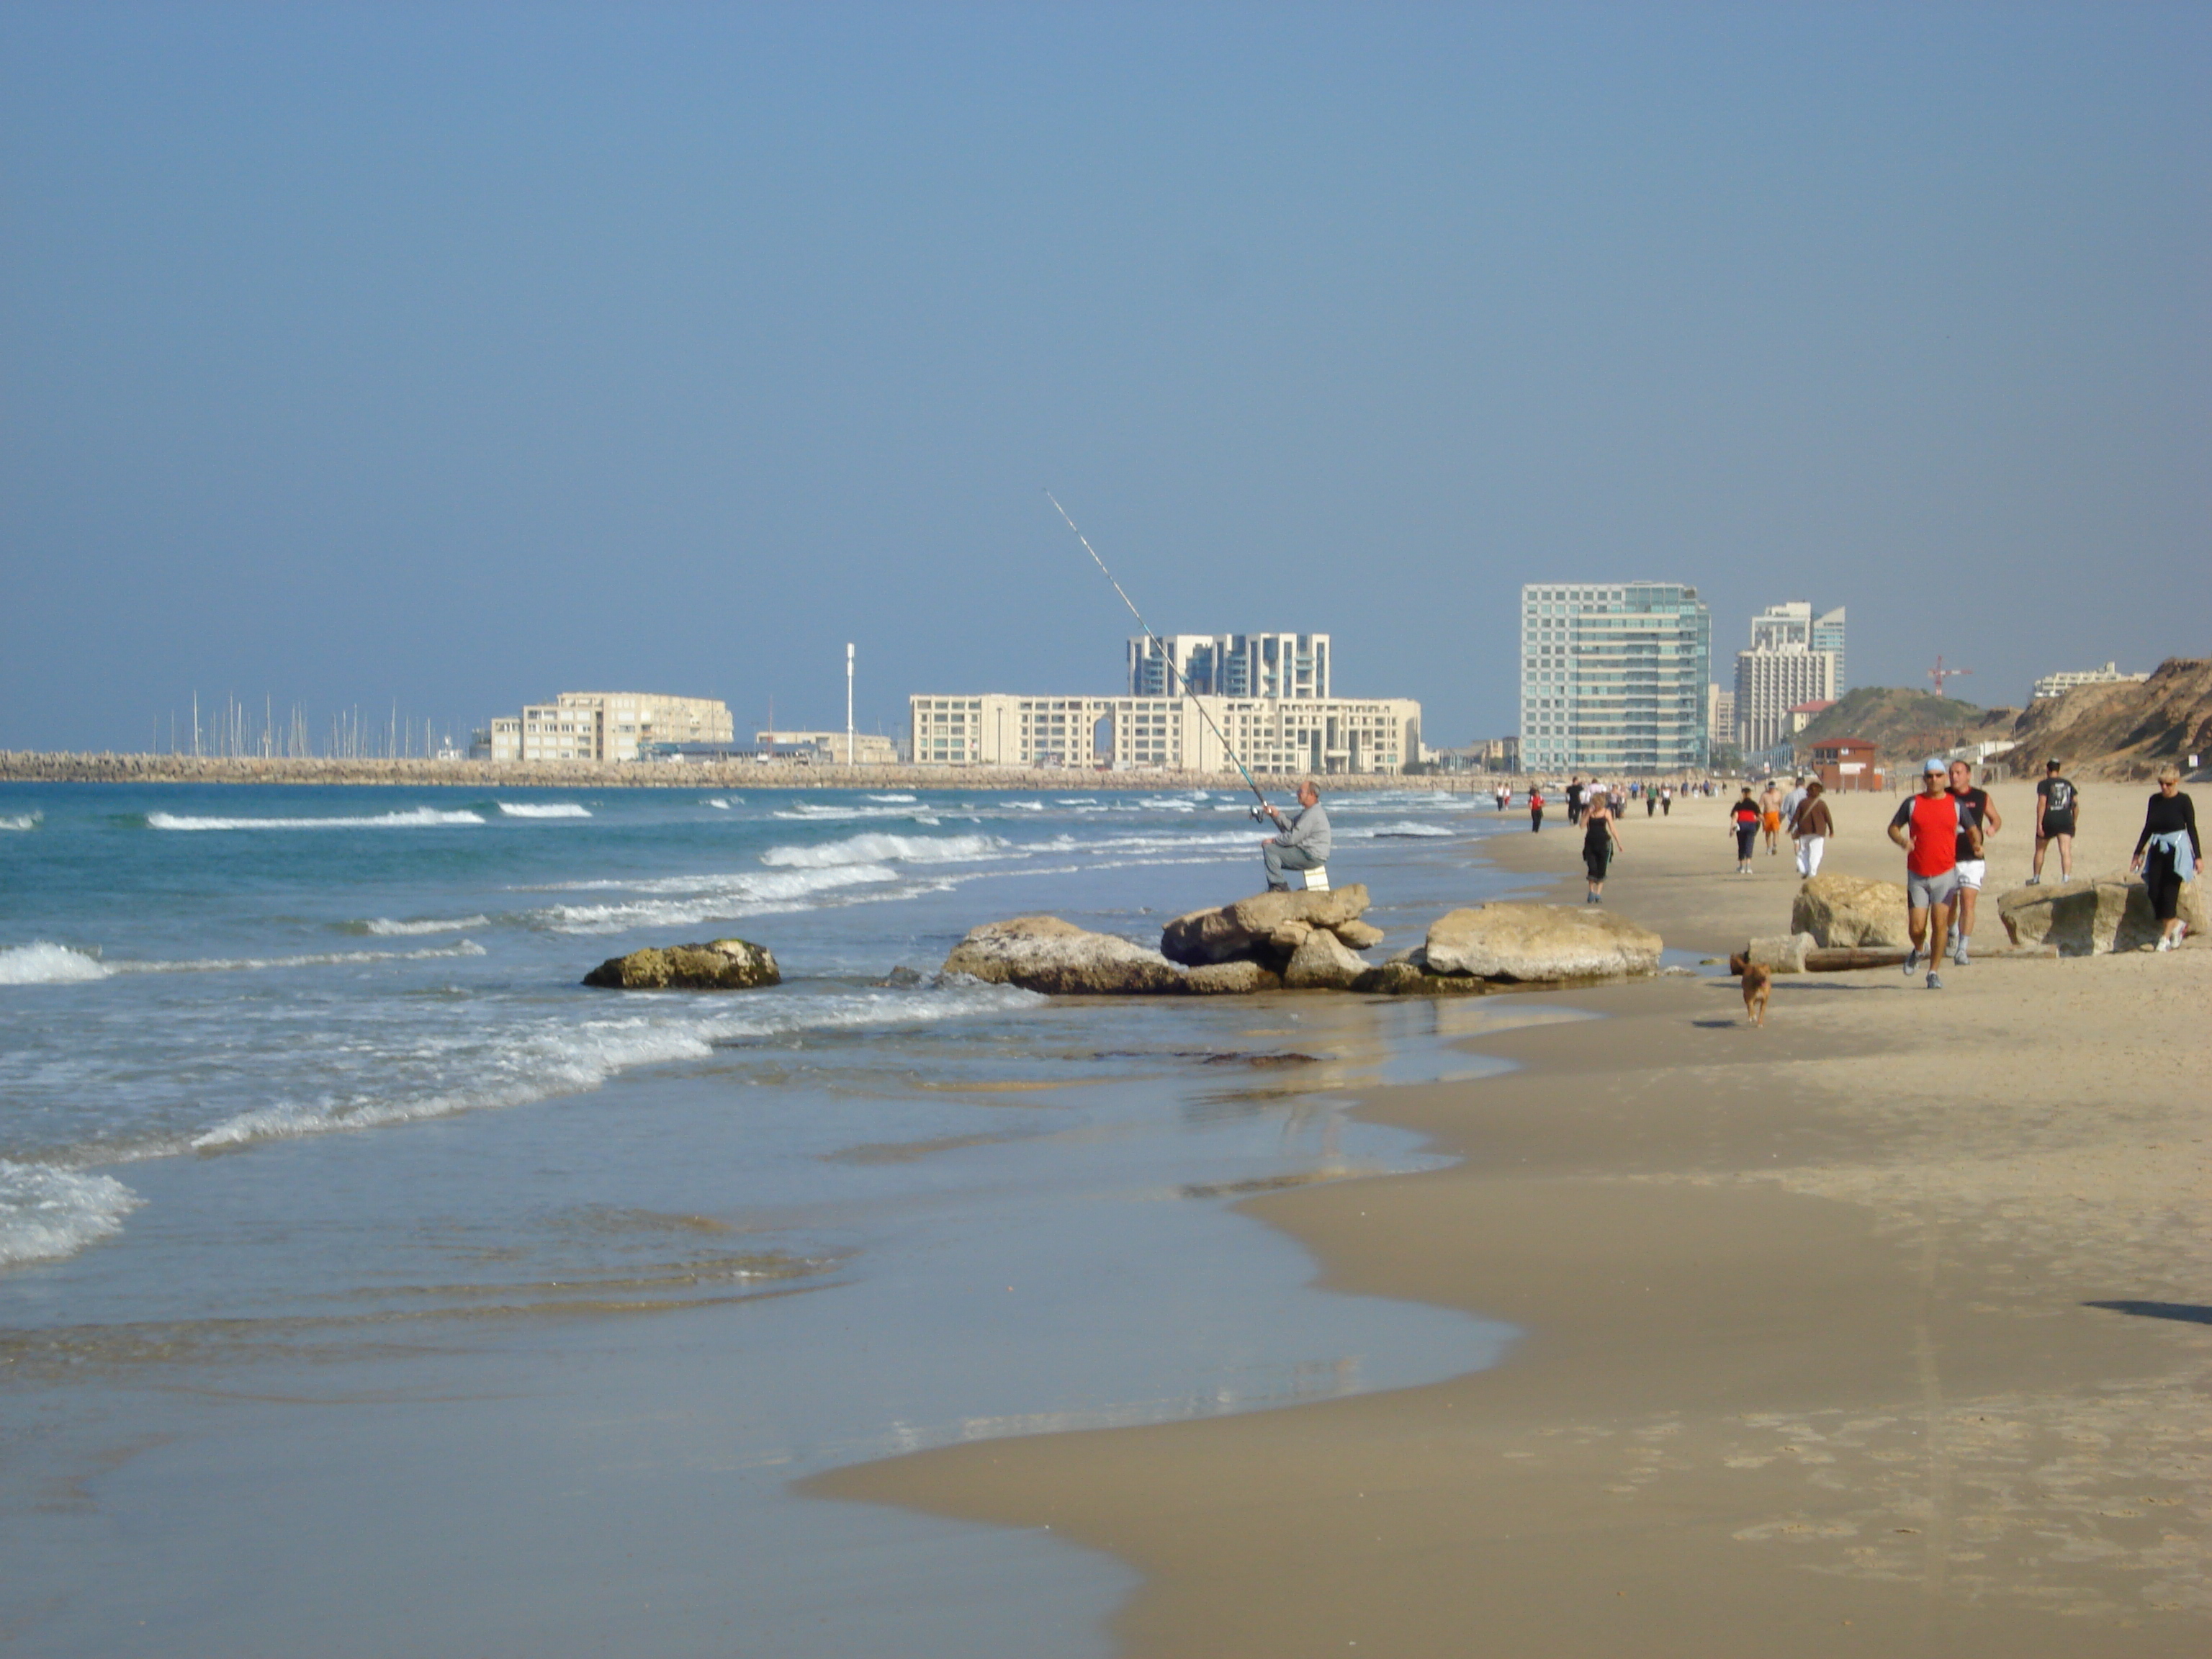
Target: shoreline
(25, 766)
(1882, 1328)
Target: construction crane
(1939, 674)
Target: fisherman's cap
(1935, 763)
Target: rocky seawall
(25, 766)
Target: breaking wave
(685, 900)
(884, 850)
(40, 963)
(415, 819)
(384, 928)
(46, 1212)
(530, 809)
(21, 820)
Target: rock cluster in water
(722, 965)
(1309, 942)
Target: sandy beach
(1885, 1328)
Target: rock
(1231, 979)
(2091, 915)
(1044, 953)
(1784, 954)
(1359, 935)
(901, 978)
(1244, 929)
(1322, 963)
(1290, 935)
(722, 965)
(1534, 942)
(1845, 910)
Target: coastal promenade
(28, 766)
(1883, 1329)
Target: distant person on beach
(1536, 809)
(1305, 842)
(1651, 799)
(2168, 853)
(1810, 826)
(1504, 793)
(1666, 800)
(1928, 827)
(1601, 841)
(2057, 818)
(1792, 801)
(1975, 808)
(1575, 799)
(1770, 815)
(1743, 824)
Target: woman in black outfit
(2174, 854)
(1600, 841)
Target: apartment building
(1283, 666)
(1795, 657)
(866, 749)
(608, 726)
(1613, 677)
(2057, 685)
(1167, 734)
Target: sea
(370, 1285)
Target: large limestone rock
(722, 965)
(1216, 979)
(2092, 914)
(1539, 942)
(1784, 954)
(1322, 963)
(1849, 910)
(1246, 929)
(1044, 953)
(1359, 935)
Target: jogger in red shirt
(1928, 827)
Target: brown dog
(1757, 982)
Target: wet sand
(1813, 1360)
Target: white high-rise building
(1286, 666)
(1795, 656)
(608, 726)
(1613, 677)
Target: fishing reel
(1259, 814)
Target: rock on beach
(1045, 954)
(1849, 910)
(722, 965)
(1531, 942)
(1248, 929)
(2092, 915)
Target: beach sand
(1813, 1360)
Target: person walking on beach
(1743, 824)
(1305, 842)
(1810, 826)
(1536, 809)
(1770, 815)
(2058, 817)
(1927, 826)
(1976, 808)
(2168, 853)
(1575, 800)
(1601, 841)
(1666, 800)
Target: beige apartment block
(866, 750)
(1167, 734)
(608, 726)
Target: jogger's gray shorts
(1925, 892)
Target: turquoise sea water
(368, 1285)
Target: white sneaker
(2166, 941)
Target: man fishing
(1305, 842)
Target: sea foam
(40, 963)
(531, 808)
(384, 928)
(416, 818)
(21, 820)
(46, 1212)
(884, 850)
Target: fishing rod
(1166, 656)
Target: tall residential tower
(1613, 677)
(1795, 656)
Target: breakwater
(26, 765)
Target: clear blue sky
(464, 354)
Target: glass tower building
(1613, 677)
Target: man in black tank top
(2057, 818)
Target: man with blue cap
(1930, 827)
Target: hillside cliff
(2127, 730)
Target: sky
(452, 356)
